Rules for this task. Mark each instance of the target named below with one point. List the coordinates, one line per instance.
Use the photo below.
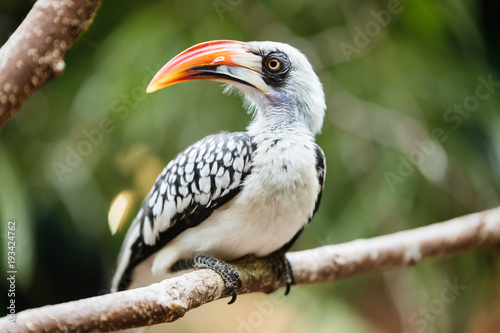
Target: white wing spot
(228, 159)
(238, 164)
(192, 155)
(220, 172)
(183, 204)
(218, 190)
(173, 190)
(163, 188)
(157, 207)
(204, 184)
(209, 157)
(205, 171)
(213, 172)
(171, 178)
(189, 177)
(153, 198)
(203, 199)
(183, 190)
(223, 181)
(194, 189)
(200, 154)
(149, 237)
(236, 180)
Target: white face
(292, 83)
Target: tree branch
(34, 53)
(172, 298)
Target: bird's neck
(278, 124)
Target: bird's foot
(283, 269)
(229, 275)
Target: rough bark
(172, 298)
(35, 52)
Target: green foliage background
(391, 81)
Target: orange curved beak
(223, 60)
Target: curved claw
(233, 298)
(227, 273)
(233, 284)
(283, 269)
(287, 288)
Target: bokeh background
(411, 136)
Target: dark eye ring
(273, 64)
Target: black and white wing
(321, 172)
(192, 186)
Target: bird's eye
(273, 64)
(275, 68)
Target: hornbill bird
(234, 194)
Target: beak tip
(151, 88)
